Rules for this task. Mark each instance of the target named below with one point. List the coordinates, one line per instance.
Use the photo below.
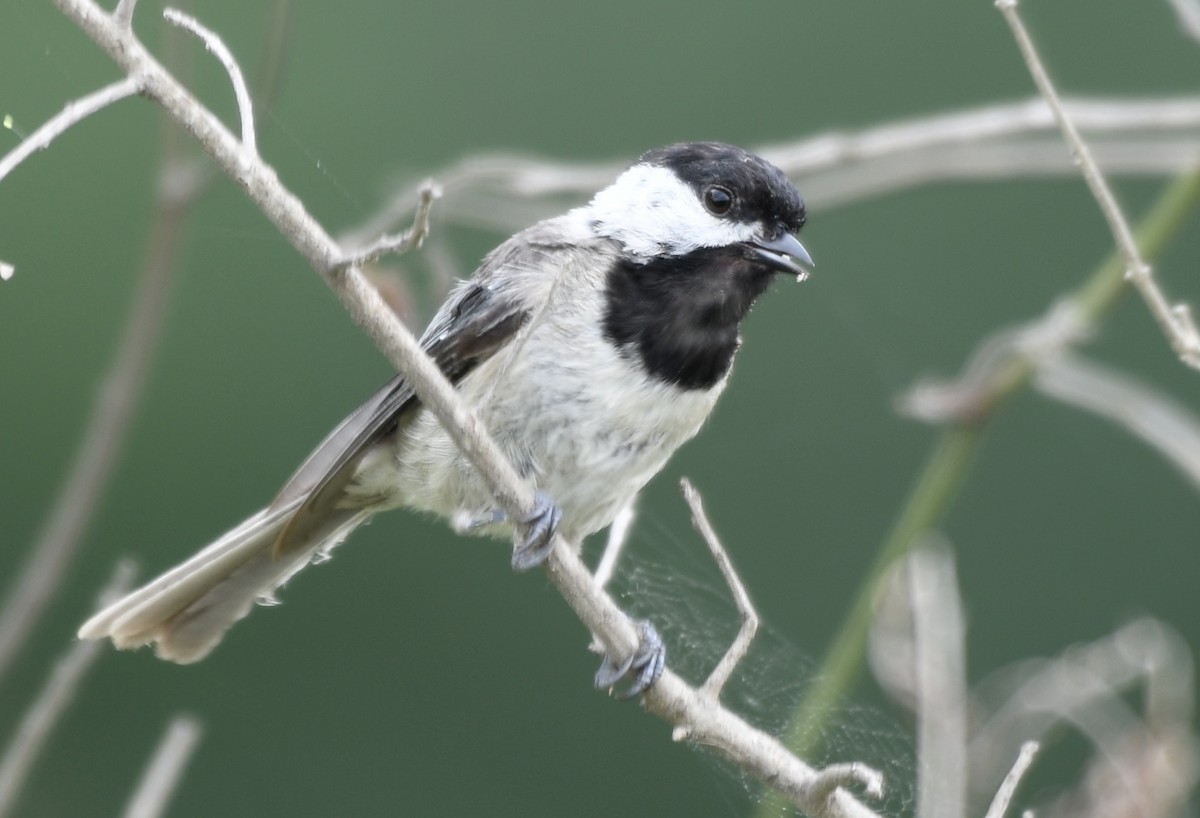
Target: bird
(591, 346)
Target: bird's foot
(532, 549)
(645, 665)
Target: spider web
(673, 582)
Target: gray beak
(783, 253)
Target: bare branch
(410, 239)
(981, 125)
(72, 114)
(1008, 787)
(941, 685)
(741, 643)
(1175, 320)
(57, 694)
(505, 192)
(165, 768)
(216, 46)
(618, 535)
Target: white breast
(577, 418)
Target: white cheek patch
(652, 213)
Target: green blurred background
(416, 675)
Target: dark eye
(718, 200)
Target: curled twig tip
(828, 780)
(411, 239)
(216, 46)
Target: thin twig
(1175, 320)
(671, 699)
(618, 535)
(124, 12)
(1008, 787)
(57, 694)
(216, 46)
(165, 768)
(410, 239)
(741, 644)
(941, 685)
(72, 114)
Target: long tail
(187, 610)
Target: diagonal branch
(1174, 319)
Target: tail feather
(187, 610)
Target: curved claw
(647, 663)
(532, 550)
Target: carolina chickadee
(591, 346)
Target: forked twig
(410, 239)
(1174, 319)
(741, 643)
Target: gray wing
(478, 319)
